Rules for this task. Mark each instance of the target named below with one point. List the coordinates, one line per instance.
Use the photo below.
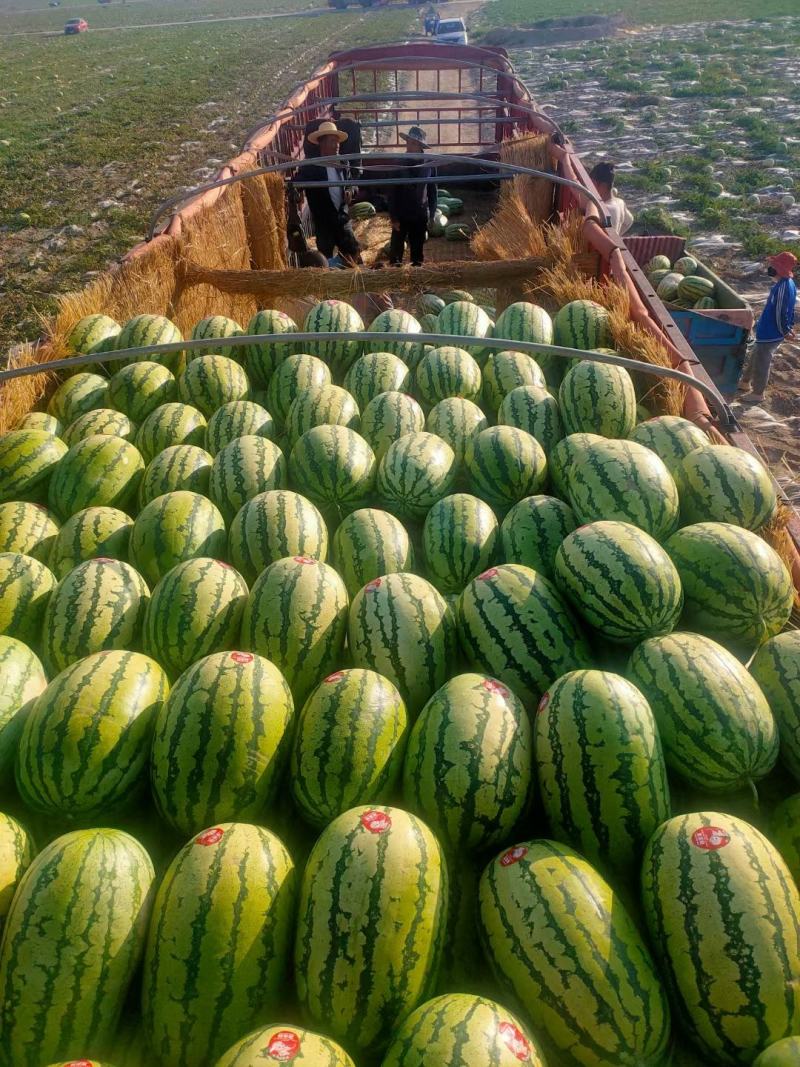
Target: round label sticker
(241, 657)
(489, 574)
(377, 822)
(516, 1041)
(513, 855)
(544, 702)
(209, 837)
(710, 838)
(41, 507)
(222, 563)
(104, 559)
(283, 1046)
(307, 560)
(79, 1063)
(495, 687)
(335, 677)
(374, 584)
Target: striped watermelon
(462, 1029)
(98, 471)
(140, 388)
(239, 418)
(100, 421)
(721, 483)
(403, 629)
(387, 418)
(25, 588)
(601, 771)
(784, 832)
(195, 609)
(464, 319)
(78, 394)
(220, 741)
(522, 321)
(670, 437)
(285, 1042)
(170, 424)
(705, 303)
(373, 374)
(332, 317)
(429, 323)
(272, 525)
(90, 533)
(467, 770)
(349, 745)
(685, 265)
(598, 398)
(326, 405)
(215, 326)
(582, 324)
(657, 276)
(450, 296)
(86, 740)
(99, 605)
(17, 849)
(40, 420)
(374, 892)
(178, 467)
(211, 381)
(27, 528)
(735, 586)
(532, 531)
(415, 472)
(262, 359)
(430, 304)
(715, 724)
(218, 943)
(444, 372)
(90, 332)
(369, 543)
(458, 541)
(784, 1053)
(563, 455)
(397, 321)
(667, 287)
(658, 263)
(28, 458)
(244, 468)
(505, 465)
(69, 952)
(23, 680)
(144, 330)
(514, 626)
(296, 616)
(456, 420)
(172, 528)
(620, 580)
(776, 669)
(624, 482)
(560, 940)
(532, 409)
(293, 377)
(693, 288)
(724, 916)
(505, 371)
(334, 467)
(458, 973)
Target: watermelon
(195, 609)
(261, 359)
(369, 543)
(334, 467)
(562, 943)
(667, 287)
(273, 525)
(90, 533)
(78, 394)
(458, 973)
(415, 472)
(462, 1029)
(25, 588)
(218, 942)
(144, 330)
(705, 303)
(563, 455)
(532, 531)
(387, 418)
(505, 371)
(514, 626)
(373, 374)
(505, 465)
(244, 468)
(597, 398)
(140, 388)
(349, 745)
(430, 304)
(724, 917)
(374, 892)
(100, 421)
(170, 424)
(332, 317)
(451, 296)
(17, 849)
(211, 381)
(396, 321)
(693, 288)
(458, 541)
(776, 669)
(89, 333)
(715, 724)
(522, 321)
(23, 680)
(456, 420)
(582, 324)
(325, 405)
(462, 318)
(285, 1042)
(28, 458)
(670, 437)
(296, 616)
(40, 420)
(294, 376)
(98, 471)
(784, 832)
(70, 952)
(437, 227)
(656, 277)
(685, 265)
(99, 605)
(722, 483)
(362, 210)
(239, 418)
(215, 326)
(177, 467)
(172, 528)
(467, 770)
(532, 409)
(601, 771)
(220, 742)
(658, 263)
(620, 580)
(444, 372)
(783, 1053)
(456, 231)
(401, 627)
(27, 528)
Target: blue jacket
(777, 318)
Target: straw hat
(327, 129)
(416, 133)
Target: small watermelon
(78, 394)
(100, 421)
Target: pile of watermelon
(680, 285)
(391, 704)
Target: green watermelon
(27, 528)
(505, 465)
(140, 388)
(685, 265)
(40, 420)
(325, 405)
(667, 287)
(456, 420)
(239, 418)
(415, 472)
(244, 468)
(28, 459)
(25, 588)
(532, 531)
(373, 374)
(90, 533)
(504, 371)
(429, 323)
(334, 467)
(170, 424)
(522, 321)
(396, 321)
(721, 483)
(369, 543)
(658, 263)
(776, 669)
(211, 381)
(387, 418)
(597, 398)
(458, 541)
(215, 326)
(656, 277)
(272, 525)
(78, 394)
(173, 528)
(451, 296)
(144, 330)
(456, 231)
(430, 304)
(100, 421)
(332, 317)
(705, 303)
(784, 832)
(582, 324)
(444, 372)
(462, 318)
(261, 359)
(177, 467)
(23, 681)
(293, 376)
(17, 849)
(670, 437)
(783, 1053)
(285, 1042)
(532, 409)
(98, 471)
(90, 332)
(694, 288)
(563, 455)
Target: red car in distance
(76, 26)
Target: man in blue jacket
(775, 325)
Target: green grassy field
(523, 12)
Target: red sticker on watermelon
(79, 1063)
(377, 822)
(307, 560)
(516, 1041)
(543, 703)
(209, 837)
(283, 1046)
(335, 677)
(103, 559)
(513, 855)
(495, 687)
(374, 584)
(41, 507)
(222, 563)
(711, 838)
(241, 657)
(491, 573)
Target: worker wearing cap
(775, 325)
(412, 207)
(328, 203)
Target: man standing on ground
(775, 325)
(412, 207)
(328, 204)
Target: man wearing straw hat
(328, 203)
(412, 207)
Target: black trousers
(336, 235)
(413, 231)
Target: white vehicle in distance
(451, 31)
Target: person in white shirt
(602, 174)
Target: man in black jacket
(412, 207)
(328, 204)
